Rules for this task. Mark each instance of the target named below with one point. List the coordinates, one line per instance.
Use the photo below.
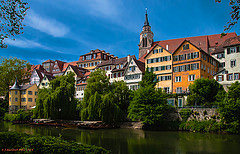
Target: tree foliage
(230, 108)
(205, 92)
(12, 14)
(235, 5)
(9, 70)
(104, 101)
(57, 102)
(149, 104)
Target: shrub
(185, 114)
(44, 144)
(201, 126)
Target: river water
(124, 141)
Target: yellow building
(22, 97)
(160, 60)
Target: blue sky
(66, 29)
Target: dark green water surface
(138, 141)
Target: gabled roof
(60, 64)
(77, 70)
(151, 49)
(65, 65)
(139, 64)
(227, 43)
(48, 61)
(114, 61)
(24, 87)
(202, 42)
(189, 43)
(49, 77)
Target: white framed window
(166, 89)
(191, 77)
(179, 90)
(236, 76)
(220, 78)
(230, 77)
(233, 62)
(178, 79)
(232, 50)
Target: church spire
(146, 23)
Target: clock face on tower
(144, 35)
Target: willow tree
(58, 101)
(104, 101)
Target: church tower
(146, 37)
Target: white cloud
(24, 43)
(46, 25)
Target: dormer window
(117, 66)
(83, 58)
(185, 46)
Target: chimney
(167, 47)
(128, 58)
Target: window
(130, 69)
(23, 92)
(83, 58)
(232, 50)
(185, 46)
(180, 102)
(222, 64)
(155, 51)
(29, 92)
(166, 89)
(191, 77)
(178, 79)
(94, 56)
(160, 50)
(179, 90)
(15, 92)
(23, 99)
(16, 99)
(233, 63)
(236, 76)
(230, 77)
(30, 99)
(35, 92)
(117, 66)
(220, 78)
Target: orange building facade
(191, 63)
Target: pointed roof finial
(15, 86)
(146, 23)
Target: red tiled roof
(140, 64)
(60, 64)
(65, 65)
(202, 42)
(228, 42)
(49, 61)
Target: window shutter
(228, 50)
(227, 77)
(223, 77)
(237, 48)
(217, 77)
(238, 76)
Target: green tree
(12, 14)
(57, 102)
(230, 108)
(205, 92)
(10, 68)
(149, 104)
(104, 101)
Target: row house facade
(93, 58)
(115, 68)
(230, 73)
(133, 73)
(82, 85)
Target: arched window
(144, 42)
